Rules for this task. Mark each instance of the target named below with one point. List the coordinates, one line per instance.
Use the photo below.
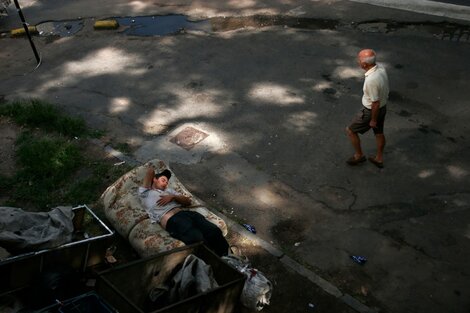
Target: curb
(18, 32)
(106, 24)
(428, 7)
(281, 256)
(109, 24)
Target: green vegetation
(53, 166)
(39, 114)
(50, 160)
(123, 147)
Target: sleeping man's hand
(165, 200)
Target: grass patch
(49, 161)
(40, 114)
(123, 147)
(54, 167)
(102, 176)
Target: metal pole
(25, 26)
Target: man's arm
(183, 200)
(148, 179)
(374, 114)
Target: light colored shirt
(150, 197)
(376, 87)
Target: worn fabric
(360, 123)
(193, 278)
(376, 87)
(150, 197)
(191, 227)
(22, 231)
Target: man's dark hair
(165, 173)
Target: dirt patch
(289, 232)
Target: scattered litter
(359, 259)
(257, 156)
(311, 305)
(109, 257)
(297, 244)
(76, 138)
(250, 228)
(119, 163)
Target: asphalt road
(274, 101)
(458, 2)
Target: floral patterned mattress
(126, 213)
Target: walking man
(372, 114)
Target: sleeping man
(164, 206)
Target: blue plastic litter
(250, 228)
(359, 259)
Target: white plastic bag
(257, 290)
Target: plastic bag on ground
(257, 290)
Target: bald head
(366, 58)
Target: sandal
(353, 161)
(376, 163)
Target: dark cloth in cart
(22, 231)
(193, 278)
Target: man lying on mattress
(164, 205)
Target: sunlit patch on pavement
(426, 173)
(274, 94)
(457, 171)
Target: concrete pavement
(459, 10)
(274, 102)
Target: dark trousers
(191, 227)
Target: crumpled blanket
(194, 277)
(22, 231)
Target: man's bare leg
(356, 142)
(380, 140)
